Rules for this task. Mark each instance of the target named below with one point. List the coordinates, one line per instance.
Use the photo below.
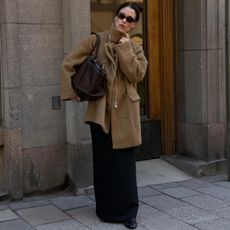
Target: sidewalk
(182, 205)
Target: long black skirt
(115, 184)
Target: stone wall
(79, 159)
(202, 82)
(35, 131)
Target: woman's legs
(114, 179)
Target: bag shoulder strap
(96, 45)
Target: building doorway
(156, 33)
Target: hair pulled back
(133, 5)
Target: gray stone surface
(195, 184)
(28, 204)
(158, 212)
(66, 203)
(47, 11)
(223, 212)
(162, 202)
(165, 185)
(15, 225)
(225, 184)
(80, 164)
(147, 191)
(85, 215)
(65, 225)
(217, 178)
(190, 214)
(206, 202)
(42, 126)
(148, 214)
(7, 215)
(202, 81)
(42, 215)
(220, 224)
(10, 68)
(169, 224)
(217, 191)
(44, 168)
(180, 192)
(41, 55)
(12, 108)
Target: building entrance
(155, 32)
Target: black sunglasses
(122, 16)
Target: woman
(114, 119)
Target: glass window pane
(102, 14)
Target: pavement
(185, 204)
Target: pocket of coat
(134, 96)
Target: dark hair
(133, 5)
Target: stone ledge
(197, 168)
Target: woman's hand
(125, 38)
(76, 99)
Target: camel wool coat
(125, 64)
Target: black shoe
(131, 223)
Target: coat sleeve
(132, 61)
(76, 56)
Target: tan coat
(125, 65)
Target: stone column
(34, 138)
(202, 86)
(10, 81)
(76, 27)
(228, 89)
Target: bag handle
(96, 45)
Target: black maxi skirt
(115, 184)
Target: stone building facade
(44, 142)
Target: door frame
(162, 71)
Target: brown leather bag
(89, 78)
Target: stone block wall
(202, 79)
(34, 131)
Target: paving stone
(223, 212)
(3, 207)
(190, 214)
(162, 202)
(220, 224)
(15, 225)
(206, 202)
(169, 224)
(147, 213)
(71, 202)
(42, 215)
(28, 204)
(225, 184)
(195, 184)
(217, 191)
(65, 225)
(87, 217)
(180, 192)
(213, 179)
(7, 215)
(165, 185)
(147, 191)
(84, 215)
